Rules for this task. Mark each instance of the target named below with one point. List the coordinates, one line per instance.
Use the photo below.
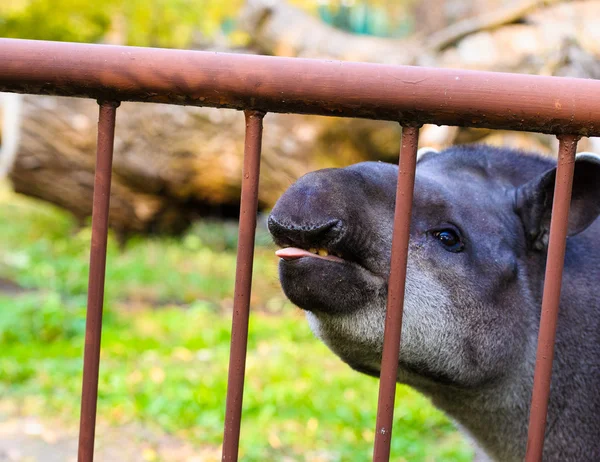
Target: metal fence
(412, 96)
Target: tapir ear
(425, 150)
(534, 200)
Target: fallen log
(175, 164)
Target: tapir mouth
(328, 241)
(294, 253)
(309, 240)
(319, 268)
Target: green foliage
(172, 23)
(46, 318)
(161, 23)
(165, 347)
(73, 20)
(177, 23)
(150, 271)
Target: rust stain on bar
(408, 94)
(551, 297)
(397, 281)
(93, 326)
(243, 285)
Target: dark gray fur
(471, 318)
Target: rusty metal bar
(395, 303)
(93, 326)
(407, 94)
(243, 285)
(551, 297)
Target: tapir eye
(449, 238)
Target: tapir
(475, 276)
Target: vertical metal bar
(93, 326)
(243, 284)
(551, 296)
(395, 303)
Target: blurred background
(174, 205)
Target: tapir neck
(498, 417)
(495, 418)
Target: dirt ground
(32, 439)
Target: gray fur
(471, 318)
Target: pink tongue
(293, 253)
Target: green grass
(165, 346)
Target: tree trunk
(173, 164)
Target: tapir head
(475, 264)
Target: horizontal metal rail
(409, 95)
